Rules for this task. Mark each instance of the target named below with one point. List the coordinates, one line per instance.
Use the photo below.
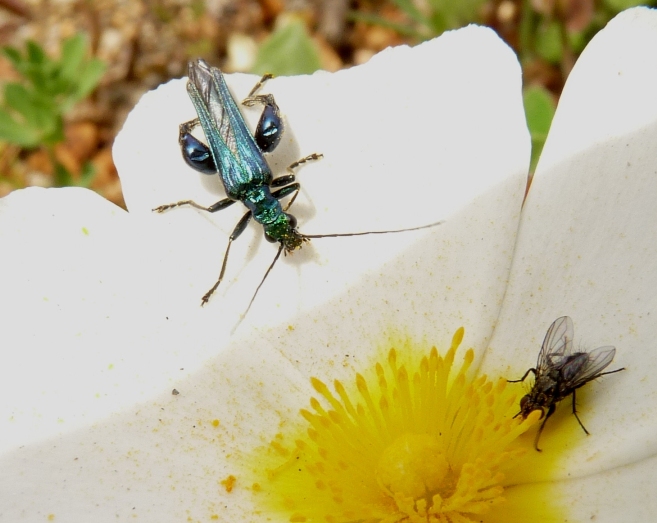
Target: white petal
(88, 328)
(410, 138)
(459, 144)
(162, 458)
(620, 494)
(624, 493)
(587, 245)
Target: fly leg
(605, 373)
(579, 420)
(540, 429)
(523, 376)
(239, 229)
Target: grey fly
(560, 372)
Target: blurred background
(71, 70)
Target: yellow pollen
(415, 440)
(413, 465)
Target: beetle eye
(292, 221)
(270, 239)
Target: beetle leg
(286, 191)
(264, 99)
(310, 157)
(239, 229)
(290, 178)
(188, 127)
(248, 100)
(218, 206)
(282, 181)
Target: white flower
(101, 307)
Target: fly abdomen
(574, 365)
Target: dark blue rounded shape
(197, 155)
(269, 130)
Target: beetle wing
(557, 344)
(238, 159)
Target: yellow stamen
(417, 440)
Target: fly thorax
(547, 384)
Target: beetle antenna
(372, 232)
(280, 250)
(278, 254)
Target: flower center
(416, 440)
(413, 466)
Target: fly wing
(598, 360)
(239, 160)
(557, 345)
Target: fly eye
(270, 239)
(292, 221)
(523, 402)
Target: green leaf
(539, 111)
(61, 176)
(405, 30)
(621, 5)
(38, 112)
(18, 98)
(87, 78)
(450, 14)
(13, 55)
(34, 109)
(36, 67)
(288, 51)
(54, 129)
(410, 9)
(549, 45)
(17, 133)
(73, 50)
(577, 41)
(442, 15)
(35, 53)
(87, 175)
